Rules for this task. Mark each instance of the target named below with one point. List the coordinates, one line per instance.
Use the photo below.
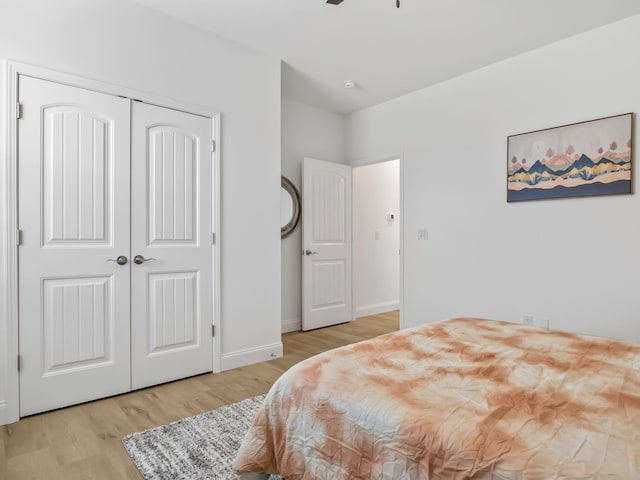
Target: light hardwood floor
(84, 441)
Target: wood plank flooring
(84, 441)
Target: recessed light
(350, 84)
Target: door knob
(121, 260)
(309, 252)
(139, 259)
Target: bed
(460, 398)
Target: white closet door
(172, 288)
(74, 216)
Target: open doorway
(376, 238)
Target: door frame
(401, 223)
(9, 236)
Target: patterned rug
(195, 448)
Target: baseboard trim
(376, 308)
(249, 356)
(291, 325)
(6, 415)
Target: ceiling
(388, 51)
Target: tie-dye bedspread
(461, 398)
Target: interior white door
(73, 194)
(171, 245)
(326, 244)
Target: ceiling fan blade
(335, 2)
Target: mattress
(460, 398)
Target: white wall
(306, 132)
(574, 262)
(376, 238)
(121, 43)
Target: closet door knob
(309, 252)
(121, 260)
(139, 259)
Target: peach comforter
(461, 398)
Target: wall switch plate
(422, 234)
(527, 320)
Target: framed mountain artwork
(576, 160)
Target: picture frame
(580, 159)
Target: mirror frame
(291, 189)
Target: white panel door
(171, 247)
(74, 216)
(326, 244)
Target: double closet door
(115, 259)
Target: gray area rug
(194, 448)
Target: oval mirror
(289, 207)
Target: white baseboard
(250, 356)
(376, 308)
(291, 325)
(7, 415)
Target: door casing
(9, 235)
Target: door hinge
(213, 145)
(213, 330)
(213, 238)
(18, 110)
(19, 362)
(18, 236)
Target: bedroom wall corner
(487, 258)
(306, 132)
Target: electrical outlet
(527, 320)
